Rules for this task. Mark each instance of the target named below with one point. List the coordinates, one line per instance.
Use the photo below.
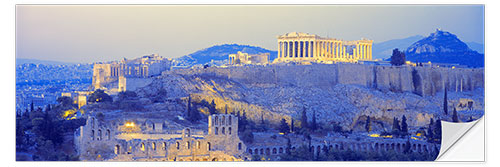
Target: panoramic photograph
(244, 82)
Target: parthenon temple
(298, 46)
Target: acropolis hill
(344, 92)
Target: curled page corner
(453, 133)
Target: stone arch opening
(223, 130)
(261, 151)
(143, 147)
(153, 146)
(108, 134)
(177, 145)
(188, 145)
(229, 120)
(281, 150)
(268, 151)
(216, 130)
(188, 132)
(209, 146)
(229, 130)
(223, 121)
(92, 135)
(216, 120)
(164, 145)
(239, 146)
(250, 151)
(198, 144)
(275, 151)
(99, 134)
(117, 149)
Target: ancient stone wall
(421, 80)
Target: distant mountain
(383, 50)
(218, 54)
(476, 46)
(444, 47)
(20, 61)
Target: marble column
(343, 50)
(362, 51)
(337, 50)
(371, 56)
(309, 49)
(302, 48)
(312, 48)
(330, 46)
(366, 51)
(279, 50)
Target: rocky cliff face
(444, 47)
(338, 93)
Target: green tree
(32, 106)
(127, 95)
(212, 107)
(314, 125)
(396, 129)
(99, 96)
(65, 102)
(368, 124)
(398, 58)
(247, 136)
(242, 122)
(445, 101)
(430, 132)
(437, 131)
(284, 127)
(404, 126)
(303, 120)
(455, 115)
(20, 136)
(192, 114)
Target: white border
(7, 101)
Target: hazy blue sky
(102, 33)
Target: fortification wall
(421, 80)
